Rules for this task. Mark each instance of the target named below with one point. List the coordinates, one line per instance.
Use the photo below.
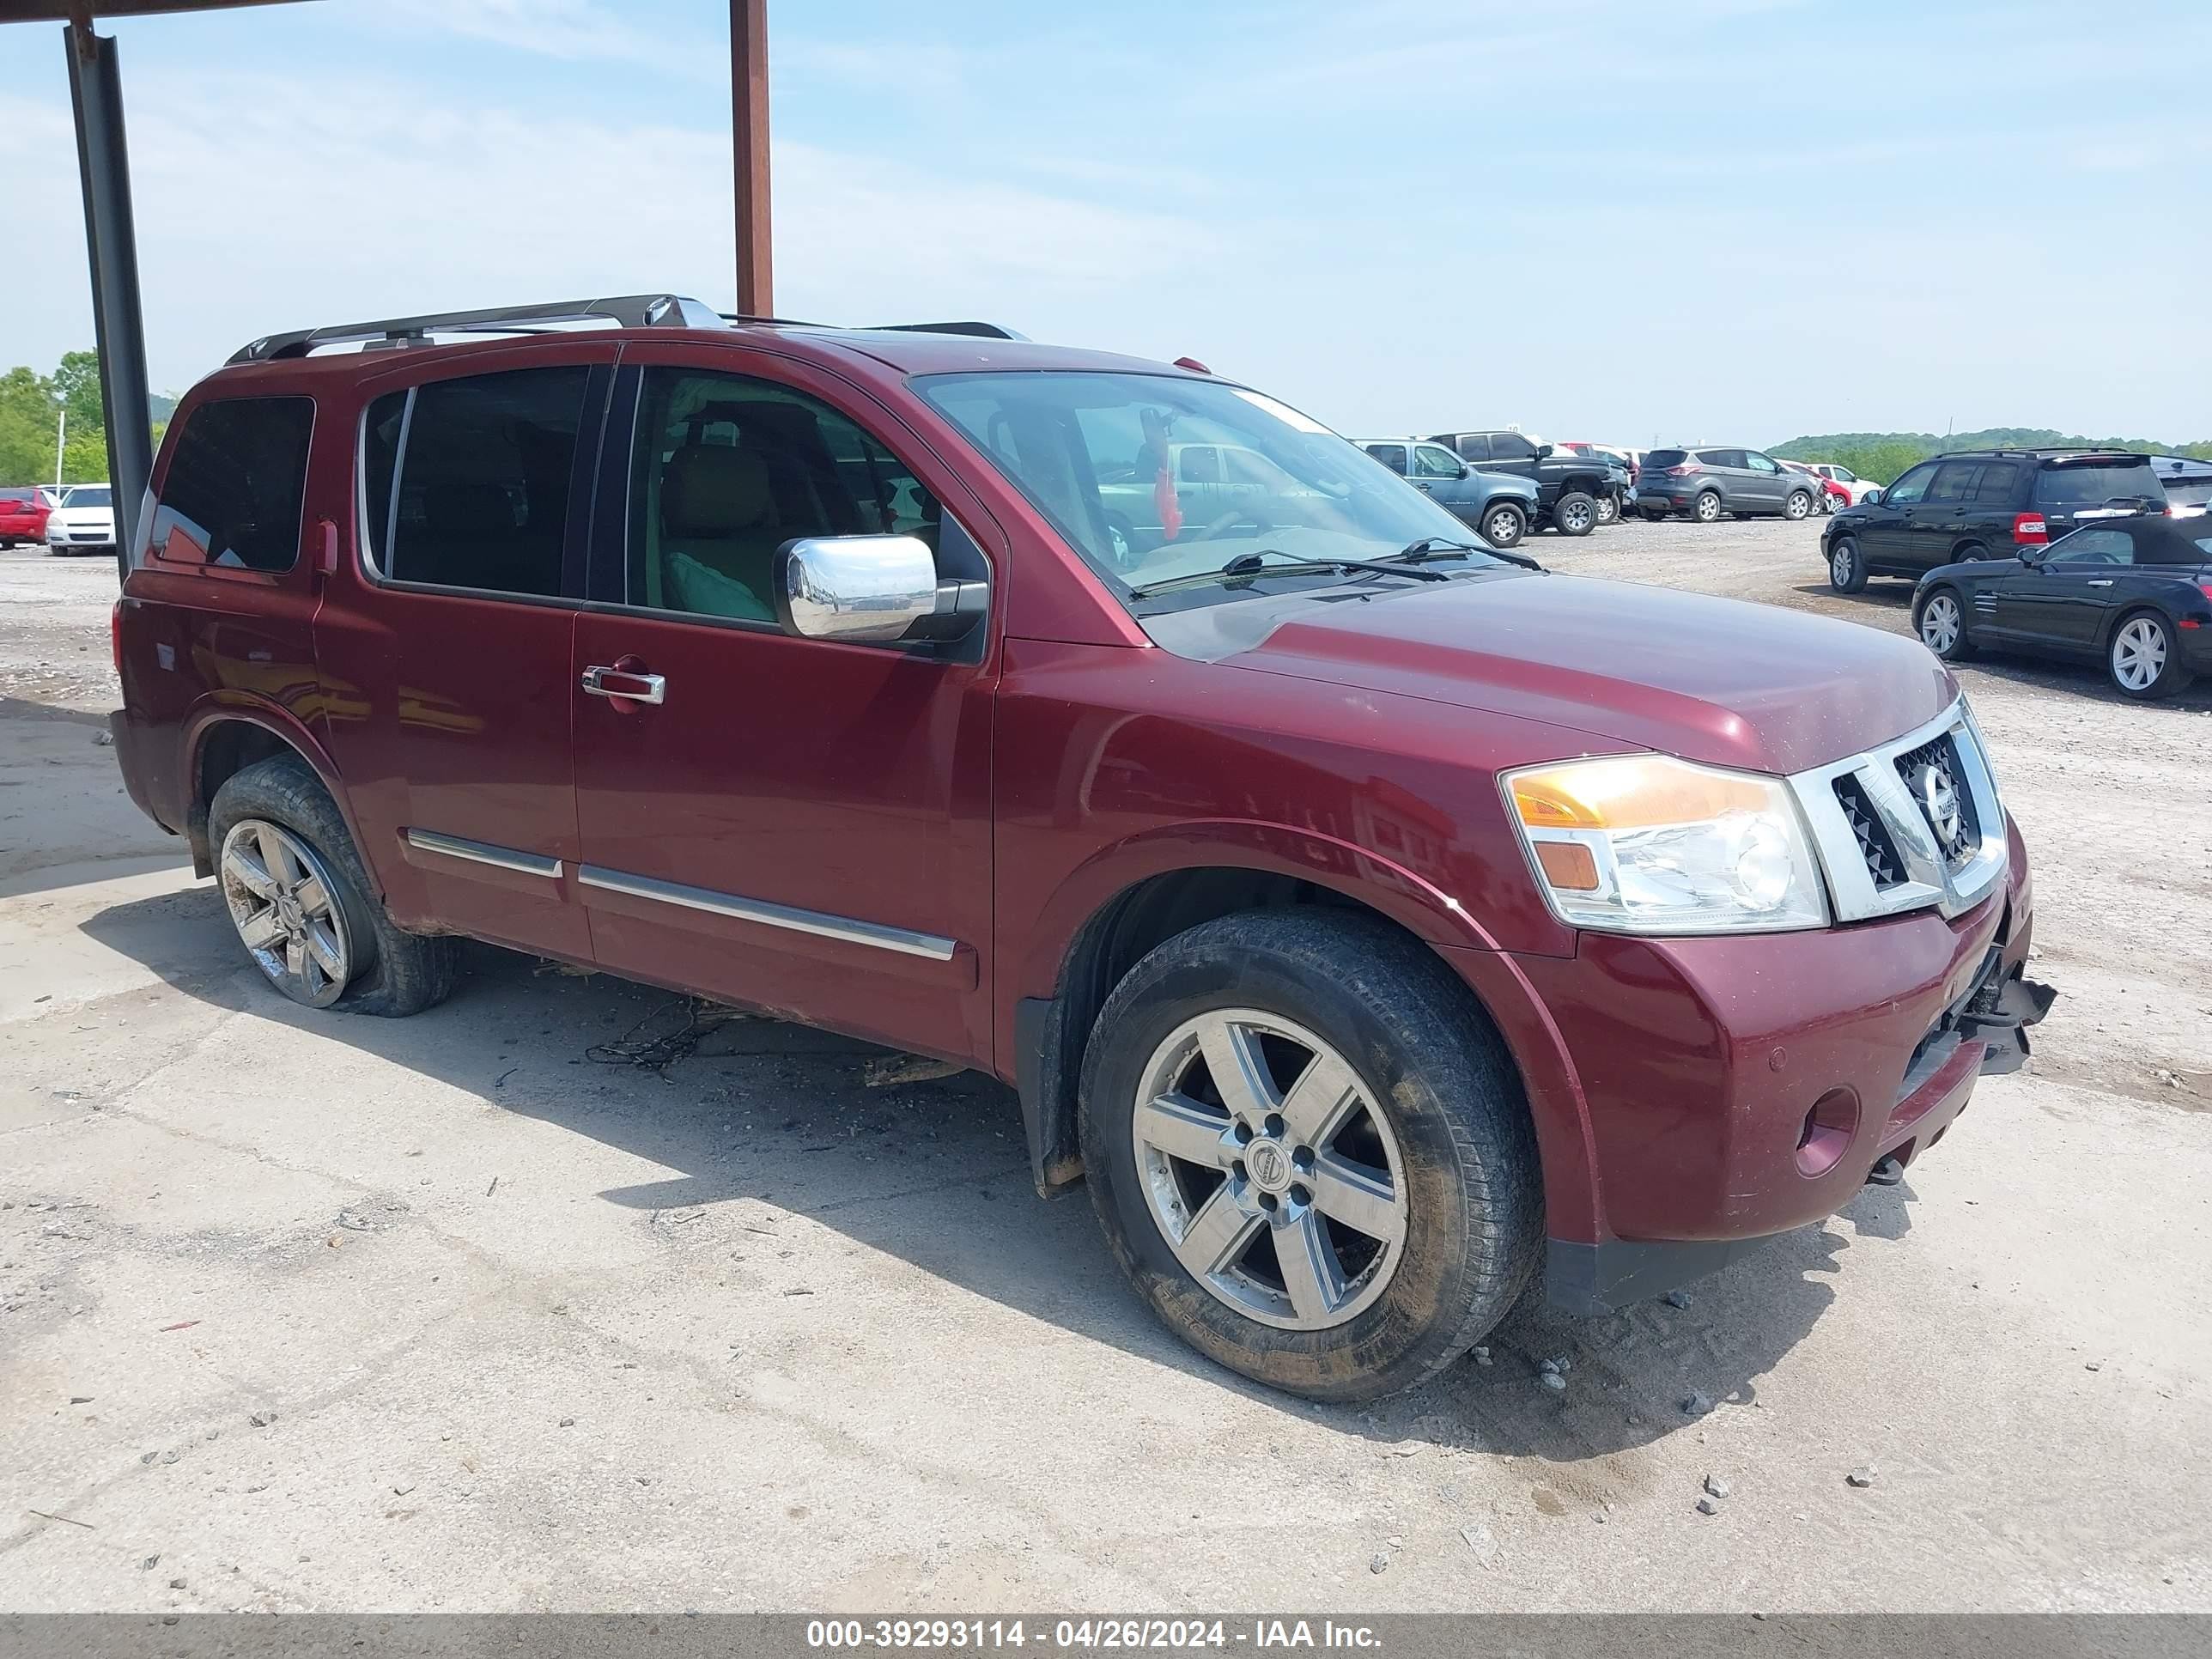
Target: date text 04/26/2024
(1082, 1634)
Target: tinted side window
(1510, 446)
(726, 469)
(1391, 455)
(1473, 446)
(1910, 488)
(1720, 457)
(1999, 480)
(232, 496)
(482, 467)
(2094, 547)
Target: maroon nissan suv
(1375, 920)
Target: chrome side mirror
(869, 589)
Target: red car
(1375, 921)
(23, 510)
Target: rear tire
(2143, 659)
(377, 969)
(1847, 566)
(1433, 1152)
(1574, 515)
(1706, 509)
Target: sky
(1705, 220)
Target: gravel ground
(303, 1312)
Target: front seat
(719, 529)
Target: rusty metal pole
(749, 125)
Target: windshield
(1153, 477)
(88, 495)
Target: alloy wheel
(1578, 519)
(1709, 508)
(2139, 654)
(1939, 624)
(1269, 1169)
(1607, 509)
(1839, 566)
(1798, 505)
(284, 903)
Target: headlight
(1648, 844)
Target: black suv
(1575, 494)
(1983, 504)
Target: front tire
(303, 906)
(2143, 659)
(1311, 1152)
(1799, 506)
(1939, 620)
(1847, 566)
(1574, 514)
(1608, 509)
(1504, 524)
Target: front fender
(1361, 875)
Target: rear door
(1730, 476)
(796, 824)
(2064, 599)
(445, 650)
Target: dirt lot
(299, 1311)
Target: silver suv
(1704, 484)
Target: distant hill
(1882, 455)
(162, 407)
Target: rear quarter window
(232, 496)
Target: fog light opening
(1828, 1131)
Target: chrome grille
(1930, 774)
(1874, 845)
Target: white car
(1853, 485)
(84, 522)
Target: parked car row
(75, 518)
(2069, 553)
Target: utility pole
(61, 441)
(749, 137)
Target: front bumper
(1695, 1097)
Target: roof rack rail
(981, 330)
(624, 311)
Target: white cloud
(358, 198)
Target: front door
(797, 825)
(444, 652)
(2064, 599)
(1884, 532)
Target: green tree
(77, 380)
(28, 413)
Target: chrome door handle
(2102, 584)
(607, 682)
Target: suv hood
(1750, 686)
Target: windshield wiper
(1432, 547)
(1246, 565)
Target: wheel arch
(221, 741)
(1131, 898)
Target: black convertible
(2135, 593)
